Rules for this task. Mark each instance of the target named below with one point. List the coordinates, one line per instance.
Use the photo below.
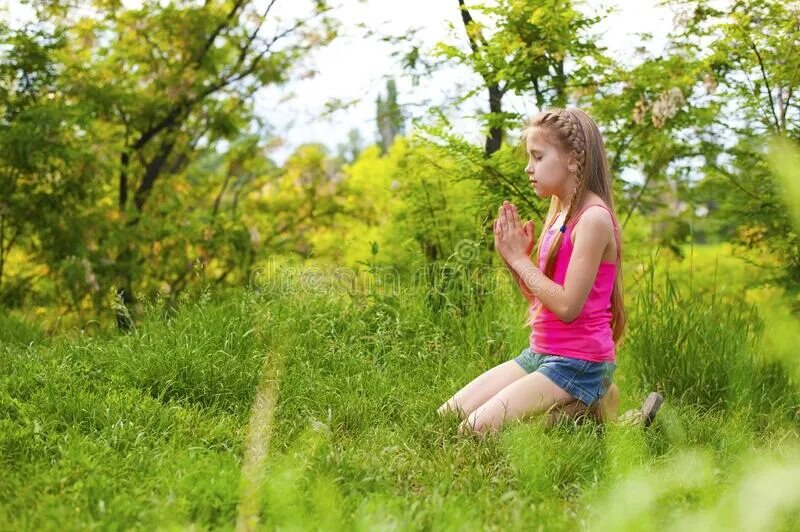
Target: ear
(572, 164)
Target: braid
(573, 133)
(568, 129)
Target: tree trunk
(495, 139)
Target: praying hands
(512, 238)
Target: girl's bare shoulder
(595, 218)
(596, 224)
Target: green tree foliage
(302, 201)
(47, 171)
(369, 189)
(647, 118)
(752, 67)
(132, 162)
(389, 117)
(163, 100)
(700, 112)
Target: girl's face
(547, 167)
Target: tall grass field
(304, 409)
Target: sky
(355, 67)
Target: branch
(183, 157)
(759, 108)
(496, 174)
(161, 53)
(637, 199)
(187, 103)
(786, 107)
(621, 148)
(766, 82)
(214, 34)
(218, 199)
(152, 172)
(467, 18)
(738, 185)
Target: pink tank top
(589, 336)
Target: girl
(575, 291)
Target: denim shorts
(584, 380)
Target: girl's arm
(564, 301)
(528, 231)
(526, 293)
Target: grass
(304, 410)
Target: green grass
(150, 429)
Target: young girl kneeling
(575, 290)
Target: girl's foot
(645, 415)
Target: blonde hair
(572, 130)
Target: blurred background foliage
(133, 165)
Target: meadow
(282, 407)
(164, 164)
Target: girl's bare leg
(603, 411)
(482, 388)
(529, 395)
(607, 405)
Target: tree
(751, 68)
(389, 117)
(543, 49)
(46, 170)
(526, 50)
(349, 151)
(165, 84)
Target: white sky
(356, 68)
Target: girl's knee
(472, 426)
(450, 407)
